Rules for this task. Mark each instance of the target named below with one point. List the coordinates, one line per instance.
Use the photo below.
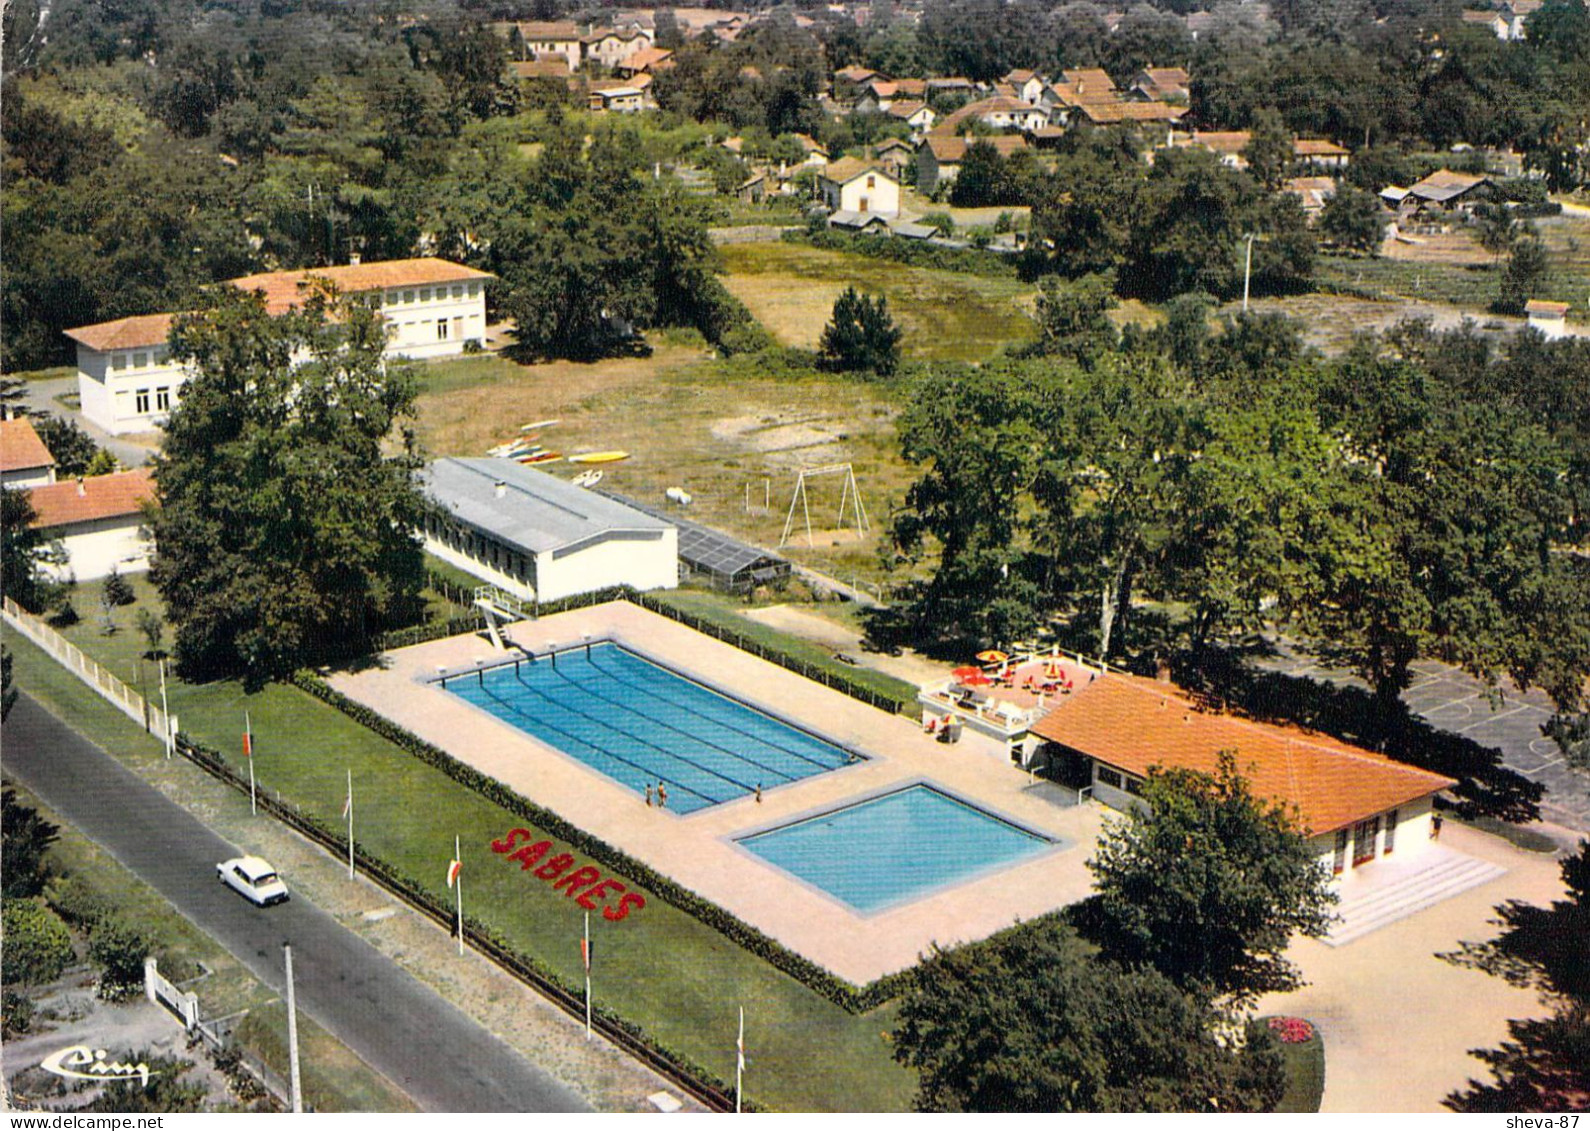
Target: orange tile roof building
(99, 521)
(432, 308)
(24, 460)
(1354, 805)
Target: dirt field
(686, 423)
(946, 315)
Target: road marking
(1494, 718)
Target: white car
(254, 879)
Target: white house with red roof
(127, 381)
(1354, 805)
(24, 460)
(99, 520)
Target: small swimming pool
(642, 724)
(896, 847)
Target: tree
(1207, 884)
(1353, 220)
(118, 950)
(861, 335)
(26, 838)
(1495, 227)
(284, 534)
(23, 551)
(118, 590)
(71, 447)
(984, 180)
(1269, 149)
(1073, 318)
(8, 687)
(1546, 1066)
(1528, 268)
(1031, 1021)
(38, 945)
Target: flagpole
(739, 1061)
(248, 748)
(587, 956)
(459, 856)
(350, 823)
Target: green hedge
(808, 973)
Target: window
(1391, 833)
(458, 327)
(441, 329)
(1134, 786)
(118, 361)
(458, 290)
(1109, 777)
(1339, 862)
(872, 182)
(140, 360)
(141, 401)
(474, 289)
(408, 296)
(425, 294)
(163, 399)
(161, 356)
(1364, 834)
(393, 297)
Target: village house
(1025, 85)
(128, 382)
(939, 157)
(1550, 318)
(646, 61)
(619, 98)
(1320, 153)
(1160, 84)
(610, 48)
(99, 521)
(541, 39)
(1442, 192)
(851, 185)
(24, 460)
(918, 115)
(997, 113)
(894, 155)
(1507, 20)
(1313, 192)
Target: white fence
(71, 657)
(160, 990)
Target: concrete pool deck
(699, 850)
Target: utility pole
(1247, 273)
(292, 1034)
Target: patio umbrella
(993, 656)
(966, 672)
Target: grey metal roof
(535, 512)
(704, 548)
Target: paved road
(441, 1058)
(40, 397)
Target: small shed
(722, 561)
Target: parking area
(1456, 702)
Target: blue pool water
(894, 848)
(641, 724)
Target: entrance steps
(1371, 904)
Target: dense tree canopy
(284, 533)
(1032, 1021)
(1207, 884)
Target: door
(1364, 836)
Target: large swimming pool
(895, 848)
(643, 725)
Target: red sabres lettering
(582, 883)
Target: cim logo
(79, 1062)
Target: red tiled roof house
(99, 521)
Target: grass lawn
(946, 315)
(334, 1078)
(1305, 1076)
(51, 374)
(679, 979)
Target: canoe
(541, 457)
(587, 478)
(536, 425)
(599, 457)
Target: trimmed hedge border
(814, 977)
(627, 1035)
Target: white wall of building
(28, 477)
(95, 548)
(133, 390)
(651, 562)
(872, 192)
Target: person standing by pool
(662, 796)
(648, 795)
(759, 793)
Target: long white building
(128, 383)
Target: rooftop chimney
(82, 488)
